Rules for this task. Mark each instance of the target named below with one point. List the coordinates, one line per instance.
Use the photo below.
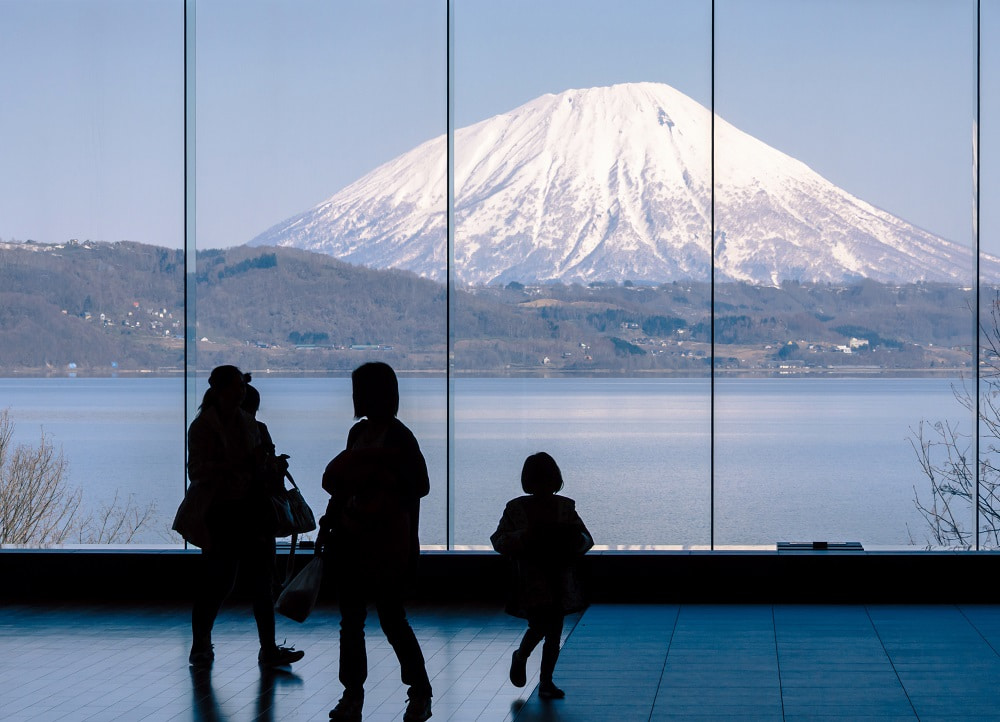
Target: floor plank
(619, 662)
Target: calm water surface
(794, 459)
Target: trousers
(388, 604)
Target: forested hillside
(90, 305)
(100, 308)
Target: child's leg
(537, 626)
(543, 626)
(534, 635)
(553, 627)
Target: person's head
(226, 387)
(375, 391)
(251, 399)
(540, 475)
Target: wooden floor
(653, 662)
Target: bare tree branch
(38, 507)
(943, 452)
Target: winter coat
(224, 504)
(371, 525)
(545, 539)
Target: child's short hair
(541, 475)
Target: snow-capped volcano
(614, 183)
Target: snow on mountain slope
(614, 183)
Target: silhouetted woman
(225, 455)
(544, 537)
(369, 536)
(270, 469)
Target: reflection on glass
(843, 262)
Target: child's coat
(544, 538)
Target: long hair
(220, 377)
(375, 390)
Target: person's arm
(272, 466)
(421, 482)
(586, 541)
(266, 442)
(324, 529)
(207, 462)
(335, 482)
(509, 538)
(405, 455)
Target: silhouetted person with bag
(369, 539)
(225, 456)
(270, 468)
(544, 538)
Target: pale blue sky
(91, 120)
(296, 99)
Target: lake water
(794, 458)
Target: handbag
(298, 598)
(191, 520)
(290, 514)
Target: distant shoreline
(825, 372)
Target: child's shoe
(547, 690)
(518, 669)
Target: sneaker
(518, 669)
(201, 656)
(279, 656)
(418, 709)
(547, 690)
(348, 709)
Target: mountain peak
(614, 183)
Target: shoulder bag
(289, 511)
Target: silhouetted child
(544, 538)
(271, 467)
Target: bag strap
(290, 566)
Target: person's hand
(281, 463)
(319, 548)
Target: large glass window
(91, 301)
(321, 229)
(582, 199)
(843, 262)
(717, 257)
(987, 172)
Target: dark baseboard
(830, 577)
